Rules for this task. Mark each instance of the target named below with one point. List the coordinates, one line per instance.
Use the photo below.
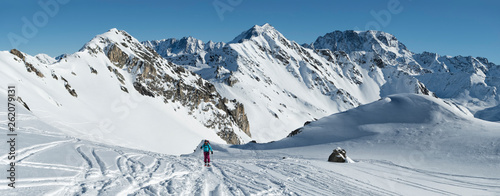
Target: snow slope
(491, 114)
(102, 112)
(417, 158)
(93, 94)
(438, 134)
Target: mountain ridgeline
(259, 86)
(283, 83)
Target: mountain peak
(110, 37)
(117, 41)
(113, 30)
(381, 43)
(264, 27)
(265, 30)
(116, 35)
(357, 41)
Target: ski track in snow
(102, 170)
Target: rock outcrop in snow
(338, 155)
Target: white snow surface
(401, 145)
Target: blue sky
(448, 27)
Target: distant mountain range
(259, 86)
(283, 83)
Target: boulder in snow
(338, 155)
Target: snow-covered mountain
(469, 81)
(259, 86)
(186, 51)
(117, 90)
(94, 121)
(283, 84)
(384, 47)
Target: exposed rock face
(20, 100)
(229, 136)
(240, 116)
(29, 66)
(294, 132)
(157, 77)
(18, 54)
(142, 90)
(92, 70)
(299, 130)
(68, 87)
(117, 56)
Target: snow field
(408, 163)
